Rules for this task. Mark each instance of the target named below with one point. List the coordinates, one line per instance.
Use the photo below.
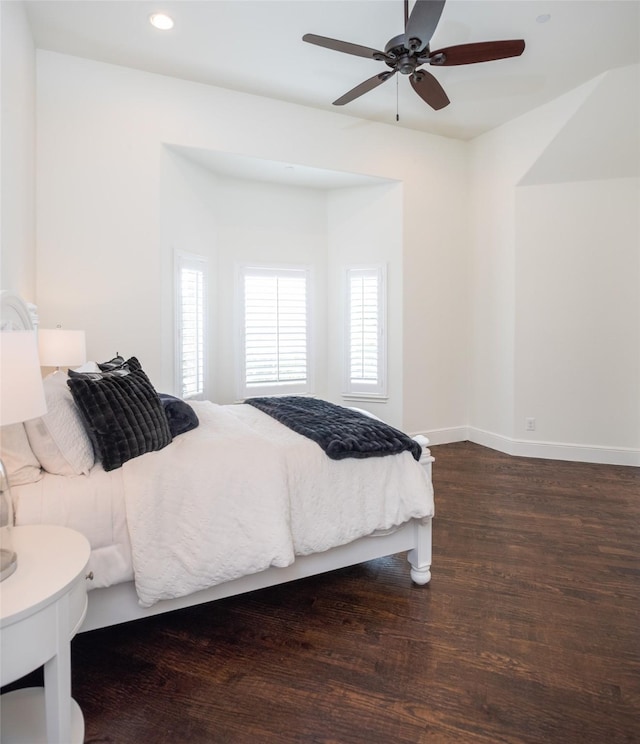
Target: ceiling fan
(408, 51)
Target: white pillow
(88, 367)
(59, 439)
(19, 460)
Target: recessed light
(543, 18)
(161, 21)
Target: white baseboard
(578, 453)
(544, 450)
(446, 436)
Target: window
(190, 324)
(274, 330)
(365, 355)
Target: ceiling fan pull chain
(397, 112)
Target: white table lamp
(61, 348)
(21, 398)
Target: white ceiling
(256, 46)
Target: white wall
(577, 354)
(436, 316)
(188, 222)
(263, 223)
(233, 220)
(101, 135)
(365, 227)
(499, 159)
(468, 241)
(555, 314)
(17, 152)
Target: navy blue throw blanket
(341, 432)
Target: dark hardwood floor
(528, 634)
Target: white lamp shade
(61, 348)
(21, 391)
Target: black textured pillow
(122, 413)
(180, 414)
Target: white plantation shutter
(365, 333)
(275, 330)
(363, 342)
(190, 324)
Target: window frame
(305, 387)
(361, 390)
(193, 261)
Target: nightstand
(42, 605)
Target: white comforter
(234, 496)
(211, 507)
(242, 492)
(333, 502)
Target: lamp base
(8, 563)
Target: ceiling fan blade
(484, 51)
(422, 23)
(429, 89)
(365, 87)
(344, 46)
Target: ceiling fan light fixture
(161, 21)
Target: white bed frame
(119, 603)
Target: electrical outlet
(530, 424)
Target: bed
(234, 502)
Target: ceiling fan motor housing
(399, 57)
